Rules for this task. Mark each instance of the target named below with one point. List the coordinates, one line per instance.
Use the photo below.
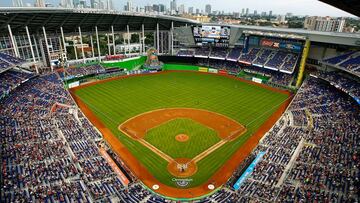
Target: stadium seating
(84, 70)
(320, 173)
(277, 60)
(263, 57)
(350, 86)
(186, 52)
(290, 62)
(11, 79)
(234, 53)
(219, 53)
(250, 56)
(338, 59)
(7, 60)
(54, 155)
(352, 64)
(349, 61)
(202, 52)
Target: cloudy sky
(298, 7)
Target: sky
(297, 7)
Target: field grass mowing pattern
(116, 101)
(200, 138)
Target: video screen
(212, 35)
(211, 32)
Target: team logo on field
(182, 182)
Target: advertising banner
(203, 69)
(113, 165)
(223, 72)
(212, 70)
(257, 80)
(357, 100)
(74, 84)
(248, 171)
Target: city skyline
(277, 6)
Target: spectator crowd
(50, 151)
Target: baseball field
(188, 117)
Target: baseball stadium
(106, 106)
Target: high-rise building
(156, 8)
(325, 24)
(242, 12)
(173, 6)
(148, 9)
(129, 6)
(162, 8)
(93, 3)
(76, 3)
(39, 3)
(281, 18)
(208, 9)
(197, 11)
(66, 3)
(255, 12)
(182, 9)
(247, 12)
(17, 3)
(270, 14)
(236, 14)
(191, 10)
(82, 4)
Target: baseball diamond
(142, 115)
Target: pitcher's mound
(182, 167)
(182, 138)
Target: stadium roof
(349, 39)
(350, 6)
(70, 19)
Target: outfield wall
(180, 67)
(129, 64)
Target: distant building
(39, 3)
(156, 8)
(208, 8)
(270, 14)
(182, 9)
(197, 11)
(236, 14)
(247, 12)
(148, 9)
(162, 8)
(76, 3)
(255, 12)
(191, 10)
(82, 4)
(242, 12)
(66, 4)
(281, 19)
(325, 24)
(173, 6)
(18, 3)
(129, 6)
(200, 18)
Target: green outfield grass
(118, 100)
(200, 138)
